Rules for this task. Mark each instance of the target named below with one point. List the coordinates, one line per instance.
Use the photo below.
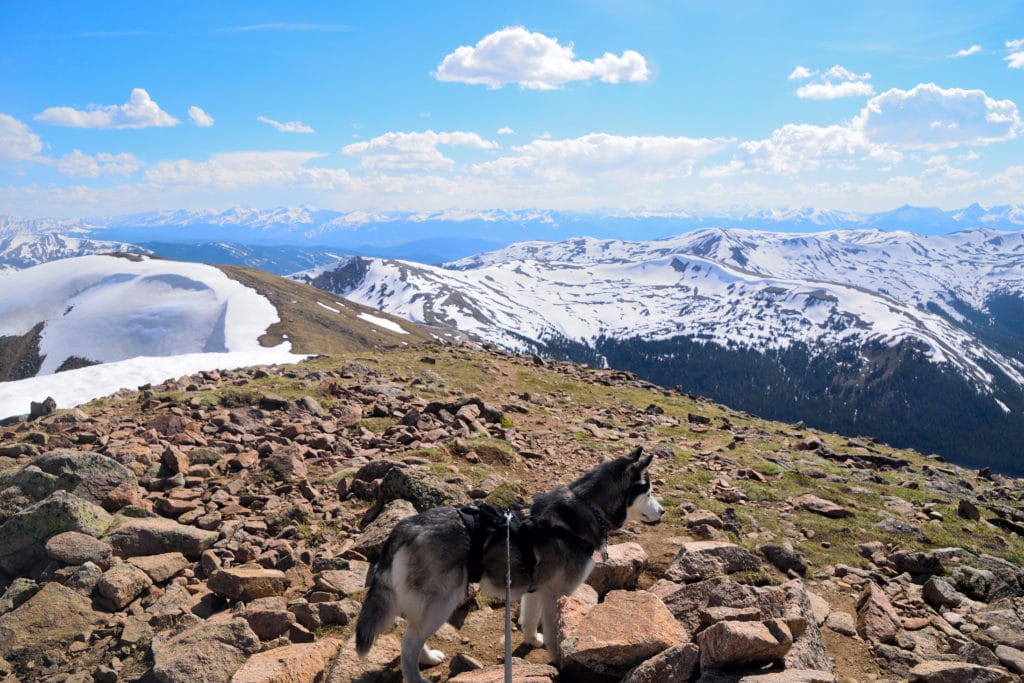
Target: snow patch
(382, 322)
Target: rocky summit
(220, 527)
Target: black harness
(486, 525)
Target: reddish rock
(122, 584)
(161, 567)
(820, 506)
(877, 620)
(677, 663)
(743, 643)
(247, 583)
(617, 634)
(289, 664)
(621, 568)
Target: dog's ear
(635, 454)
(639, 463)
(644, 463)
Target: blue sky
(120, 107)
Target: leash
(508, 596)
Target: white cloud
(80, 165)
(832, 91)
(604, 154)
(289, 127)
(505, 130)
(233, 170)
(140, 111)
(801, 73)
(1016, 56)
(967, 52)
(803, 147)
(834, 83)
(200, 117)
(930, 117)
(17, 142)
(534, 61)
(397, 151)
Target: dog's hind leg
(529, 619)
(549, 616)
(431, 617)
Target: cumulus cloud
(803, 147)
(81, 165)
(534, 61)
(397, 151)
(836, 82)
(200, 117)
(17, 142)
(605, 154)
(289, 127)
(140, 111)
(505, 130)
(931, 117)
(1016, 56)
(234, 170)
(967, 52)
(801, 73)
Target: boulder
(877, 620)
(88, 475)
(371, 541)
(52, 618)
(621, 569)
(288, 464)
(269, 618)
(247, 583)
(1011, 658)
(290, 664)
(617, 634)
(23, 537)
(122, 584)
(75, 548)
(160, 567)
(743, 643)
(210, 652)
(939, 593)
(703, 559)
(678, 663)
(133, 536)
(522, 672)
(820, 506)
(380, 665)
(956, 672)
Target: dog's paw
(430, 657)
(536, 640)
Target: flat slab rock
(247, 583)
(380, 665)
(820, 506)
(956, 672)
(290, 664)
(617, 634)
(703, 559)
(522, 672)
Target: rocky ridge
(220, 527)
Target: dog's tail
(378, 609)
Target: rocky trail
(219, 527)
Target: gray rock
(247, 583)
(371, 541)
(677, 663)
(955, 672)
(131, 536)
(74, 548)
(938, 592)
(23, 537)
(90, 476)
(703, 559)
(50, 619)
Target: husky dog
(429, 558)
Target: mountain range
(444, 236)
(911, 338)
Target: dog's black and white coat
(424, 566)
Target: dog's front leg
(529, 619)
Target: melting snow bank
(75, 387)
(382, 322)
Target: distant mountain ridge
(886, 333)
(456, 234)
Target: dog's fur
(422, 572)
